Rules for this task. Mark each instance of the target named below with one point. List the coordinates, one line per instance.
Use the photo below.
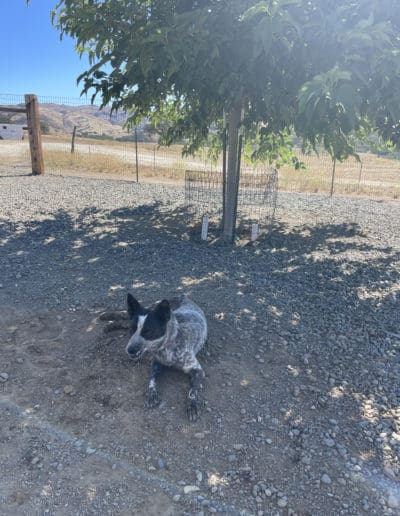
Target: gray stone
(282, 502)
(326, 479)
(191, 489)
(394, 501)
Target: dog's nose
(133, 349)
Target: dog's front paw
(153, 398)
(193, 409)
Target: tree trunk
(232, 179)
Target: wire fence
(256, 201)
(102, 145)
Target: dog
(172, 333)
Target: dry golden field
(374, 176)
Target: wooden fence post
(35, 137)
(73, 140)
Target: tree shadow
(325, 295)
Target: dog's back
(192, 323)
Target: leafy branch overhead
(326, 69)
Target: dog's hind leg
(152, 395)
(196, 388)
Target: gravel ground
(302, 394)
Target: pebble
(394, 501)
(200, 435)
(3, 377)
(68, 389)
(191, 489)
(90, 451)
(199, 476)
(282, 502)
(238, 447)
(326, 479)
(329, 442)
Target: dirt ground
(301, 413)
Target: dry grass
(86, 163)
(380, 177)
(374, 176)
(113, 165)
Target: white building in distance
(11, 131)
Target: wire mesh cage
(257, 196)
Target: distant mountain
(89, 120)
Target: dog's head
(148, 327)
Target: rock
(35, 460)
(191, 489)
(326, 479)
(329, 442)
(394, 501)
(282, 502)
(176, 498)
(389, 473)
(199, 476)
(238, 447)
(68, 389)
(200, 435)
(90, 451)
(3, 377)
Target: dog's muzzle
(135, 350)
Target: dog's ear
(134, 307)
(163, 311)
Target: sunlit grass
(378, 176)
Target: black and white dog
(172, 333)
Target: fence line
(102, 146)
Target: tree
(44, 127)
(325, 68)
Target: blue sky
(32, 57)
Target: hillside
(89, 120)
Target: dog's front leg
(152, 395)
(196, 387)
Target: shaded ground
(301, 410)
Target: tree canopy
(324, 67)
